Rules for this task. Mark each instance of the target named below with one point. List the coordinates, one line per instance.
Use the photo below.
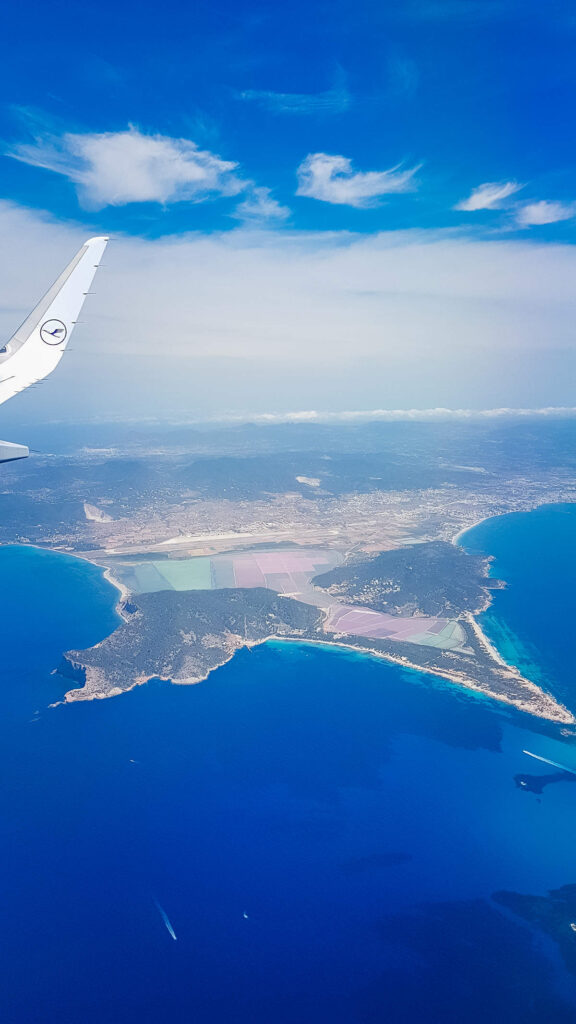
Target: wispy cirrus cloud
(117, 168)
(492, 195)
(544, 212)
(403, 76)
(331, 101)
(333, 179)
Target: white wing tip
(97, 238)
(10, 452)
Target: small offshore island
(414, 606)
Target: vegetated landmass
(554, 914)
(423, 579)
(183, 635)
(115, 492)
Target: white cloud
(251, 321)
(489, 196)
(545, 212)
(334, 180)
(405, 415)
(115, 168)
(260, 206)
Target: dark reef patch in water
(452, 946)
(538, 783)
(554, 914)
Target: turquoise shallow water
(533, 620)
(323, 831)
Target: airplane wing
(38, 345)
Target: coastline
(555, 712)
(485, 641)
(456, 539)
(488, 644)
(537, 702)
(78, 694)
(125, 594)
(106, 570)
(534, 699)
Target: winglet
(37, 346)
(10, 452)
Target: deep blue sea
(323, 831)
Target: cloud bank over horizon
(398, 415)
(251, 320)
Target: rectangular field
(186, 574)
(418, 629)
(285, 570)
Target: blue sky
(325, 128)
(471, 91)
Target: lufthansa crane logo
(53, 332)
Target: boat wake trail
(166, 919)
(546, 760)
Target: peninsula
(182, 630)
(215, 535)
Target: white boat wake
(166, 920)
(547, 760)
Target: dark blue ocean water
(360, 816)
